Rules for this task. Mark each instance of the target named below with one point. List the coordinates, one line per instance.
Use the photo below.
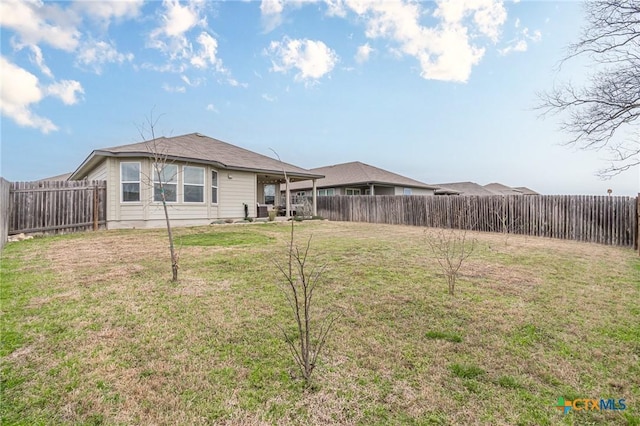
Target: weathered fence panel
(598, 219)
(5, 186)
(57, 206)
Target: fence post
(637, 243)
(4, 211)
(95, 206)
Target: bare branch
(605, 111)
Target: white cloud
(271, 13)
(179, 19)
(313, 59)
(517, 46)
(191, 82)
(173, 89)
(95, 54)
(207, 54)
(105, 11)
(363, 53)
(212, 108)
(67, 91)
(36, 56)
(269, 98)
(36, 22)
(446, 49)
(21, 89)
(176, 39)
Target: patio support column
(287, 196)
(371, 189)
(314, 199)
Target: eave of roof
(96, 156)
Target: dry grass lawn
(93, 331)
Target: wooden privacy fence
(598, 219)
(57, 206)
(4, 211)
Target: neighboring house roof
(501, 189)
(198, 148)
(463, 188)
(357, 173)
(526, 191)
(64, 176)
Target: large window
(167, 179)
(214, 187)
(130, 182)
(193, 184)
(407, 191)
(328, 191)
(352, 191)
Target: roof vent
(200, 135)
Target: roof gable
(466, 188)
(199, 148)
(358, 173)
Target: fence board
(600, 219)
(57, 206)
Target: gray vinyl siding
(234, 192)
(99, 173)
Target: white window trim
(154, 175)
(203, 185)
(326, 192)
(139, 182)
(217, 187)
(352, 189)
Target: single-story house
(204, 179)
(462, 188)
(526, 191)
(472, 188)
(356, 178)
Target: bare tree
(450, 248)
(301, 281)
(160, 176)
(603, 113)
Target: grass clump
(223, 239)
(466, 371)
(444, 335)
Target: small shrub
(450, 249)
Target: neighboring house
(526, 191)
(357, 178)
(204, 179)
(462, 188)
(472, 188)
(500, 189)
(61, 177)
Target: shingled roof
(463, 188)
(500, 189)
(357, 173)
(198, 148)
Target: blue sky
(436, 91)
